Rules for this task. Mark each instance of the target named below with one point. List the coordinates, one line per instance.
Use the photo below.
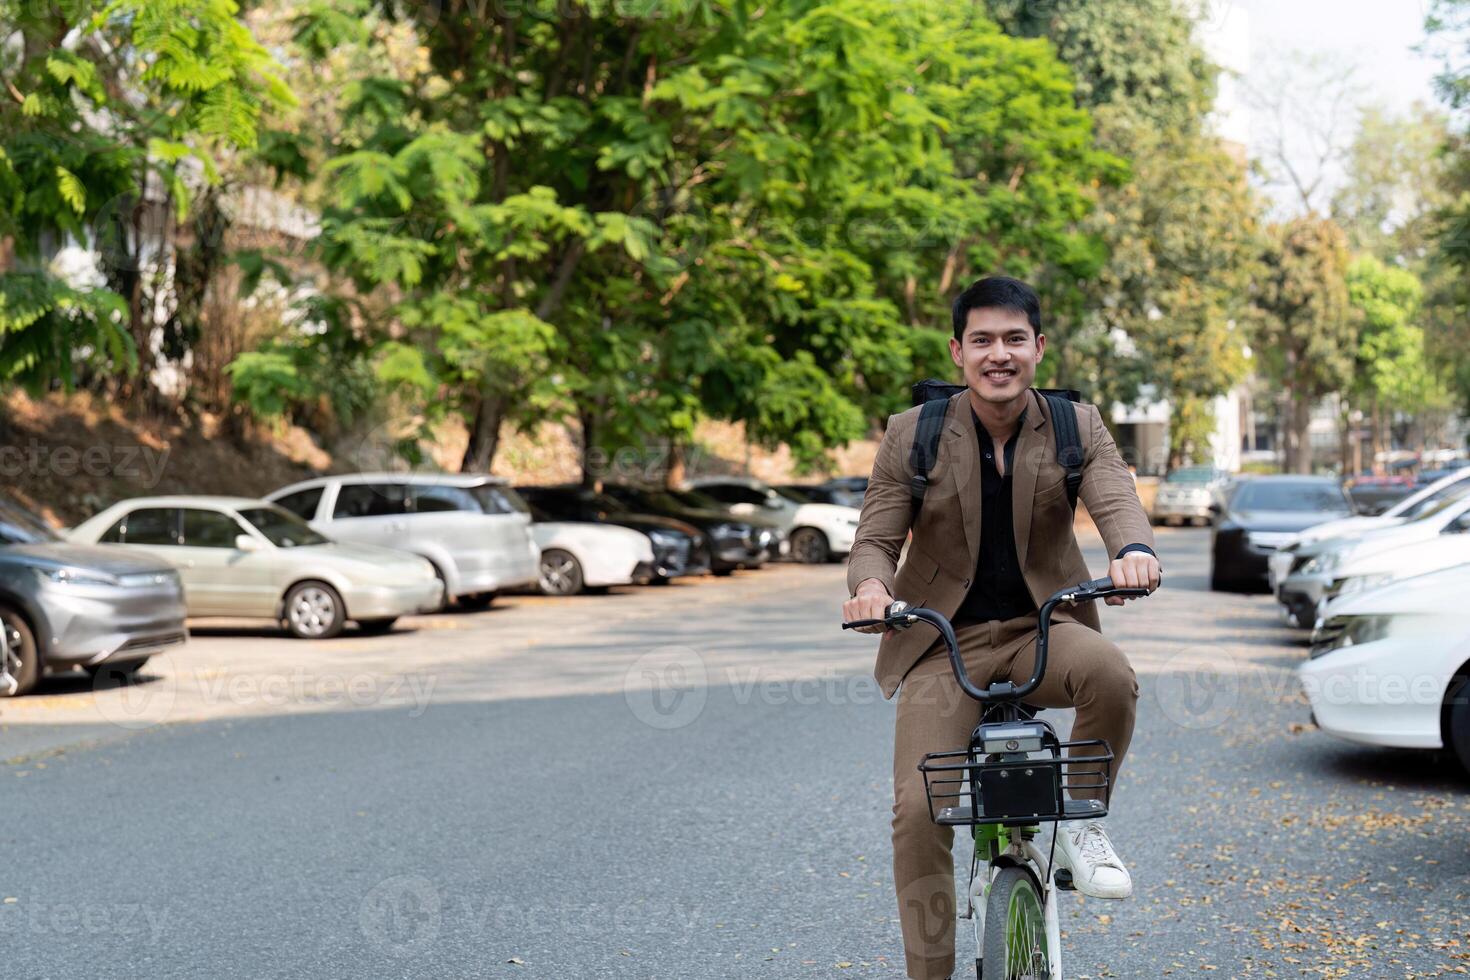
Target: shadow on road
(1408, 769)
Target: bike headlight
(1011, 738)
(77, 576)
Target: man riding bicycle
(995, 531)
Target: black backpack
(934, 396)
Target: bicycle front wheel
(1015, 945)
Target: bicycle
(1015, 777)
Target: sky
(1377, 37)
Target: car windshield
(1437, 508)
(497, 499)
(791, 495)
(281, 527)
(20, 526)
(1191, 474)
(605, 501)
(1435, 501)
(693, 498)
(1292, 495)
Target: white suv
(475, 530)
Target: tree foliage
(635, 219)
(110, 109)
(1307, 336)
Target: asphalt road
(676, 783)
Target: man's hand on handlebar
(870, 602)
(1135, 570)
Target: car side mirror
(244, 542)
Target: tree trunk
(484, 433)
(590, 472)
(676, 471)
(1301, 420)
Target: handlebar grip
(1097, 585)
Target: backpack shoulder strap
(1069, 443)
(925, 451)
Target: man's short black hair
(996, 292)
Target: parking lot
(684, 781)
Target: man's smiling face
(999, 353)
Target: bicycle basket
(975, 786)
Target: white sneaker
(1083, 848)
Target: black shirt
(998, 590)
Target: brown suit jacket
(946, 538)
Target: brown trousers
(1084, 670)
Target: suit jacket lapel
(1032, 442)
(962, 476)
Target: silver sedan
(65, 605)
(246, 558)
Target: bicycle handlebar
(1098, 588)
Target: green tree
(635, 218)
(1159, 314)
(1306, 329)
(111, 108)
(1448, 278)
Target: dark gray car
(68, 605)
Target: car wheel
(314, 611)
(383, 625)
(444, 597)
(561, 573)
(1457, 720)
(476, 601)
(117, 673)
(20, 661)
(809, 546)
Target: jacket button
(967, 583)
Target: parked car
(65, 605)
(1186, 493)
(474, 530)
(1261, 514)
(1391, 666)
(1433, 540)
(844, 491)
(678, 548)
(1376, 494)
(817, 532)
(1294, 554)
(734, 542)
(577, 556)
(240, 557)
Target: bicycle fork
(1021, 851)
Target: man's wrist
(1136, 546)
(871, 586)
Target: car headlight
(76, 576)
(1341, 632)
(665, 538)
(729, 530)
(1362, 583)
(1324, 562)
